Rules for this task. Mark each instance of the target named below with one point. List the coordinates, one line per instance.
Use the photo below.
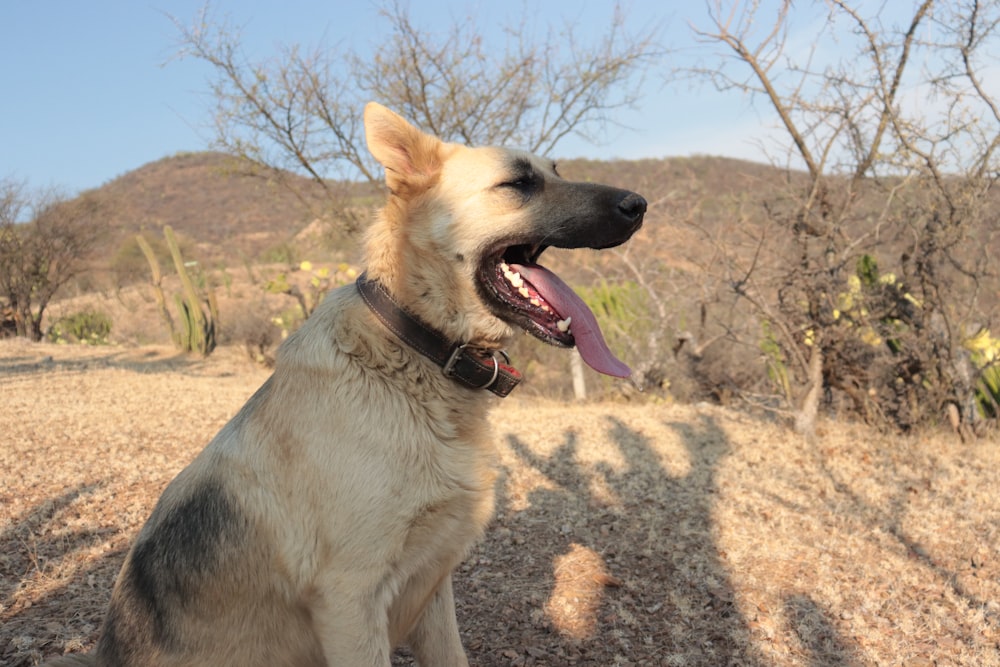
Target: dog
(322, 524)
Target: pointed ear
(411, 158)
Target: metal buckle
(449, 367)
(453, 359)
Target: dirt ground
(625, 534)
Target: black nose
(632, 206)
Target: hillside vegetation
(690, 303)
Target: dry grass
(625, 535)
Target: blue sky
(91, 88)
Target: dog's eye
(522, 182)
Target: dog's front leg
(352, 631)
(434, 640)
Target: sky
(93, 89)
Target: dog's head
(459, 240)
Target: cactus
(984, 352)
(195, 331)
(617, 306)
(988, 392)
(154, 267)
(620, 309)
(777, 367)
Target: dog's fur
(321, 525)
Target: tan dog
(321, 525)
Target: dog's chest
(452, 482)
(458, 481)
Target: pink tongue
(586, 331)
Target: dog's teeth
(513, 277)
(563, 325)
(535, 302)
(523, 292)
(505, 267)
(546, 308)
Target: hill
(228, 209)
(219, 203)
(718, 247)
(225, 209)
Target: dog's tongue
(586, 331)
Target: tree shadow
(889, 518)
(34, 549)
(637, 581)
(817, 634)
(601, 565)
(139, 361)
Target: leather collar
(475, 368)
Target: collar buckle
(457, 353)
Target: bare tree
(877, 263)
(40, 256)
(299, 111)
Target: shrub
(985, 355)
(283, 253)
(255, 331)
(288, 321)
(89, 327)
(321, 279)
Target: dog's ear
(411, 158)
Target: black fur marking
(186, 546)
(522, 180)
(109, 647)
(521, 168)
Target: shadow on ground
(35, 548)
(568, 578)
(647, 573)
(134, 360)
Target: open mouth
(522, 292)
